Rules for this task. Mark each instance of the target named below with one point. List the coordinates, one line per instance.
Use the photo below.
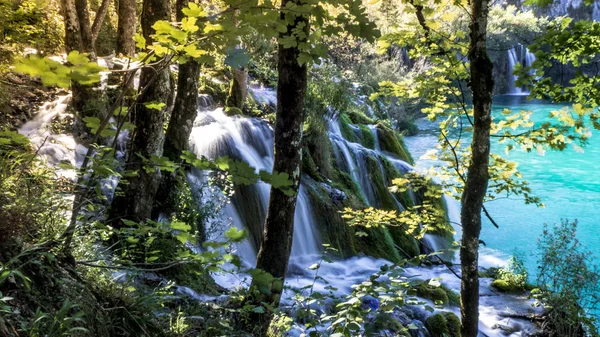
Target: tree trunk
(99, 19)
(83, 14)
(72, 30)
(482, 83)
(238, 89)
(138, 197)
(126, 27)
(180, 126)
(276, 245)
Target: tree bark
(276, 244)
(238, 89)
(180, 126)
(83, 14)
(99, 19)
(138, 196)
(72, 30)
(482, 84)
(126, 27)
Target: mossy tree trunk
(181, 123)
(482, 84)
(138, 196)
(127, 15)
(238, 89)
(276, 244)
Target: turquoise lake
(568, 183)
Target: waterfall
(518, 55)
(512, 61)
(251, 140)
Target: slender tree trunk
(138, 197)
(180, 126)
(482, 83)
(85, 27)
(74, 42)
(126, 27)
(276, 245)
(99, 19)
(72, 30)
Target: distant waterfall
(518, 55)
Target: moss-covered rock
(385, 321)
(444, 324)
(406, 243)
(385, 200)
(332, 228)
(492, 272)
(390, 141)
(433, 293)
(505, 286)
(368, 138)
(233, 111)
(308, 165)
(346, 129)
(378, 243)
(357, 114)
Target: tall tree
(482, 84)
(181, 122)
(276, 245)
(155, 82)
(127, 14)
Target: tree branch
(99, 19)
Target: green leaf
(155, 105)
(235, 234)
(237, 58)
(180, 226)
(193, 10)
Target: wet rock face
(336, 195)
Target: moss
(506, 287)
(453, 324)
(344, 182)
(346, 130)
(453, 296)
(368, 139)
(385, 321)
(433, 293)
(406, 243)
(378, 243)
(390, 141)
(492, 272)
(358, 116)
(383, 196)
(331, 226)
(308, 165)
(232, 111)
(444, 324)
(319, 147)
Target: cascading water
(55, 148)
(518, 55)
(251, 140)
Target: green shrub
(513, 277)
(568, 281)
